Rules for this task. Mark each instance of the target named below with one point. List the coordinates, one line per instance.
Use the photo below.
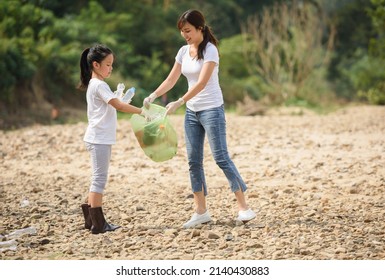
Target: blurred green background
(314, 53)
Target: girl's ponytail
(85, 70)
(96, 53)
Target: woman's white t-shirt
(102, 117)
(211, 96)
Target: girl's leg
(100, 161)
(95, 199)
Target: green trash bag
(155, 135)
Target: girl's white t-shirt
(102, 117)
(211, 96)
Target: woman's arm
(204, 76)
(170, 81)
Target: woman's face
(104, 69)
(192, 35)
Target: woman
(199, 61)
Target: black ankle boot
(87, 217)
(99, 224)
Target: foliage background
(41, 42)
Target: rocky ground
(317, 182)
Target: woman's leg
(241, 200)
(214, 123)
(194, 135)
(200, 202)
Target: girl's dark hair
(196, 18)
(96, 53)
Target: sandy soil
(317, 182)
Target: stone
(195, 233)
(212, 235)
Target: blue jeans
(212, 122)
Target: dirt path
(318, 183)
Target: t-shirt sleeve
(105, 92)
(180, 54)
(211, 54)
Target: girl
(198, 61)
(95, 66)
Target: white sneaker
(198, 219)
(246, 215)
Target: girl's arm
(124, 107)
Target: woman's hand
(149, 99)
(173, 106)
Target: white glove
(145, 113)
(149, 99)
(173, 106)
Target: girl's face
(104, 69)
(192, 35)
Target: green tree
(354, 30)
(284, 50)
(20, 27)
(375, 93)
(358, 69)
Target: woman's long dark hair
(96, 53)
(196, 18)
